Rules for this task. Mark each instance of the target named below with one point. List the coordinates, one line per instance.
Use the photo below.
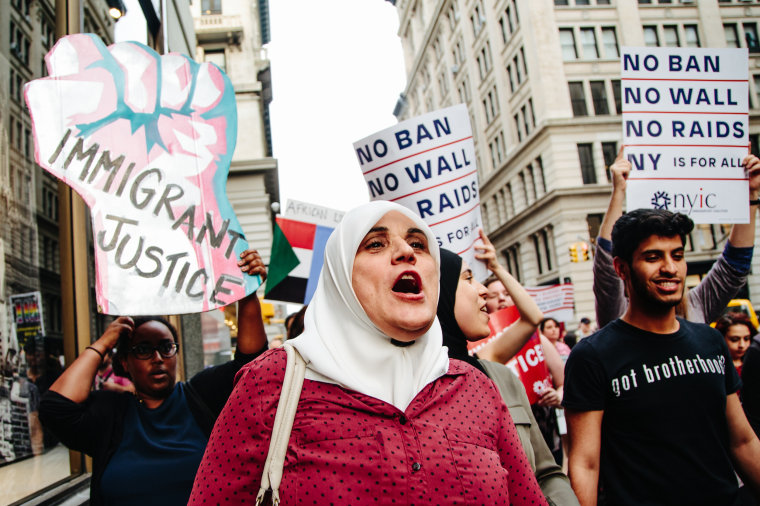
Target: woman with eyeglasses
(146, 446)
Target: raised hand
(146, 140)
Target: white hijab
(340, 343)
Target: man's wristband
(102, 356)
(755, 202)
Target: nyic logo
(684, 202)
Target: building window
(510, 74)
(588, 43)
(532, 113)
(524, 112)
(211, 6)
(547, 249)
(464, 90)
(609, 153)
(567, 41)
(691, 35)
(530, 179)
(732, 36)
(524, 63)
(586, 158)
(750, 35)
(478, 20)
(616, 95)
(509, 203)
(650, 36)
(217, 57)
(496, 146)
(491, 105)
(537, 249)
(599, 97)
(518, 74)
(578, 99)
(513, 261)
(540, 169)
(671, 36)
(517, 128)
(484, 60)
(609, 40)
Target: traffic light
(579, 252)
(584, 251)
(573, 253)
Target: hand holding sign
(620, 170)
(146, 140)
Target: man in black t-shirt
(651, 402)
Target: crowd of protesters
(393, 408)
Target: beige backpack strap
(271, 477)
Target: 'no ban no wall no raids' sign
(685, 129)
(147, 141)
(427, 164)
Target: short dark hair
(734, 318)
(543, 323)
(123, 344)
(490, 279)
(634, 227)
(586, 321)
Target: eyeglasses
(144, 351)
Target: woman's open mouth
(408, 282)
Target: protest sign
(556, 301)
(427, 164)
(530, 367)
(27, 316)
(312, 213)
(146, 140)
(685, 130)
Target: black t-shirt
(664, 432)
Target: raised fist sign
(147, 141)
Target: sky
(337, 71)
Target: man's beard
(650, 301)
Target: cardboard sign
(685, 130)
(555, 301)
(530, 367)
(428, 164)
(312, 213)
(27, 316)
(146, 140)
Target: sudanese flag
(298, 251)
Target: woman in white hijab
(383, 414)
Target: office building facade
(541, 80)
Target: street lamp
(116, 8)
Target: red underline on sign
(468, 248)
(415, 154)
(683, 112)
(455, 217)
(434, 186)
(687, 179)
(687, 145)
(687, 80)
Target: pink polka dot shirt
(454, 444)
